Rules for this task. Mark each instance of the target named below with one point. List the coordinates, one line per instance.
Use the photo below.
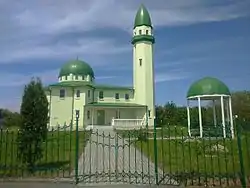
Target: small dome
(142, 17)
(208, 86)
(76, 67)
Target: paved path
(111, 159)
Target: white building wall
(144, 72)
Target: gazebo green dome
(76, 67)
(142, 17)
(208, 86)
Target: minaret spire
(142, 17)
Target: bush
(142, 136)
(34, 119)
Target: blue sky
(194, 39)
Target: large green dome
(208, 86)
(76, 67)
(142, 17)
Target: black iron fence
(160, 156)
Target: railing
(128, 123)
(57, 159)
(188, 161)
(167, 156)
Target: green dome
(76, 67)
(208, 86)
(142, 17)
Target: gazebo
(211, 89)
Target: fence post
(242, 169)
(77, 149)
(155, 155)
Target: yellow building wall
(60, 108)
(80, 102)
(110, 113)
(63, 110)
(109, 96)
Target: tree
(241, 104)
(10, 119)
(170, 112)
(34, 118)
(160, 116)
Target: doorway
(100, 117)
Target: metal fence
(163, 156)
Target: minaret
(143, 67)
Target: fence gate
(109, 157)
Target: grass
(199, 159)
(59, 154)
(171, 131)
(211, 159)
(197, 156)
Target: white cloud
(209, 45)
(170, 76)
(34, 29)
(62, 51)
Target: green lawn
(171, 131)
(200, 158)
(194, 158)
(59, 153)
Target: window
(100, 94)
(76, 77)
(117, 96)
(62, 93)
(88, 93)
(66, 77)
(149, 113)
(146, 32)
(82, 77)
(140, 62)
(88, 114)
(126, 96)
(139, 32)
(134, 33)
(78, 93)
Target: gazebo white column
(200, 117)
(231, 116)
(188, 116)
(214, 114)
(223, 116)
(227, 112)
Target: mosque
(108, 105)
